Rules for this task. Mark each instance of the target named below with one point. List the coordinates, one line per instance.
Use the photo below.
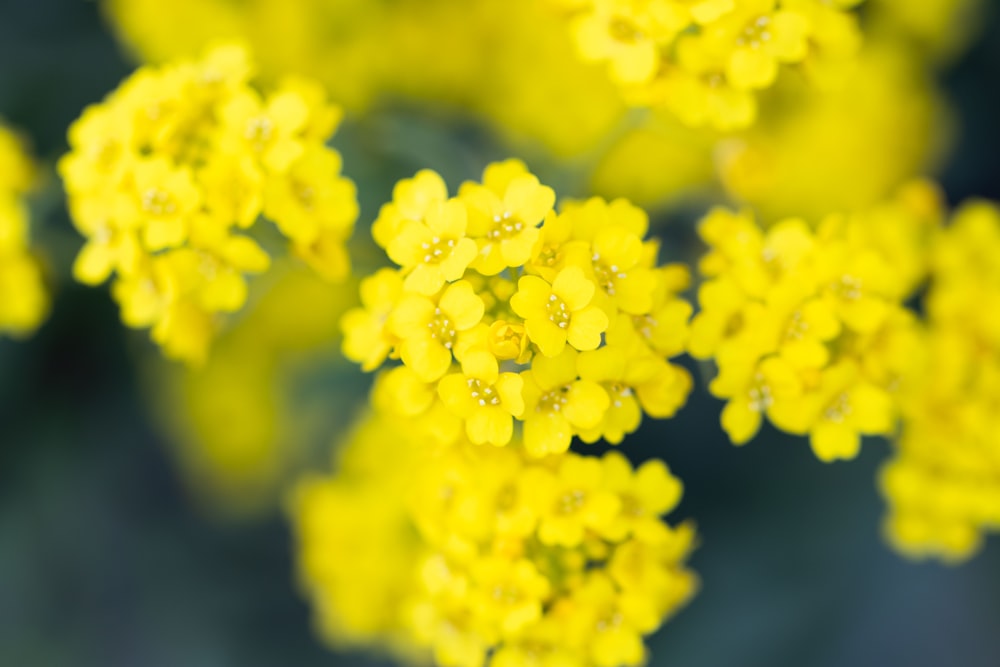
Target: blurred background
(141, 521)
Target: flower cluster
(486, 556)
(504, 311)
(705, 59)
(943, 485)
(24, 300)
(808, 327)
(167, 177)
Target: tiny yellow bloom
(561, 312)
(486, 399)
(429, 329)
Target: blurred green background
(106, 560)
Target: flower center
(848, 287)
(623, 30)
(839, 409)
(761, 397)
(506, 594)
(606, 275)
(484, 394)
(557, 311)
(797, 327)
(442, 329)
(259, 131)
(553, 401)
(505, 226)
(756, 33)
(437, 249)
(158, 202)
(619, 391)
(571, 502)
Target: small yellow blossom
(429, 329)
(486, 399)
(561, 312)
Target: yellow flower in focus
(506, 221)
(434, 251)
(486, 399)
(561, 312)
(429, 329)
(558, 404)
(491, 347)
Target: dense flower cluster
(486, 556)
(943, 486)
(24, 300)
(170, 173)
(808, 326)
(705, 59)
(505, 311)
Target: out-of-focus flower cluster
(244, 423)
(24, 299)
(943, 486)
(504, 311)
(808, 327)
(488, 556)
(168, 177)
(704, 60)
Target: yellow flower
(486, 399)
(623, 40)
(310, 197)
(558, 404)
(411, 199)
(609, 623)
(429, 329)
(572, 500)
(561, 312)
(756, 38)
(164, 198)
(508, 593)
(754, 388)
(434, 250)
(646, 493)
(269, 131)
(24, 299)
(507, 222)
(367, 339)
(842, 409)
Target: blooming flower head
(797, 321)
(494, 556)
(500, 294)
(168, 177)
